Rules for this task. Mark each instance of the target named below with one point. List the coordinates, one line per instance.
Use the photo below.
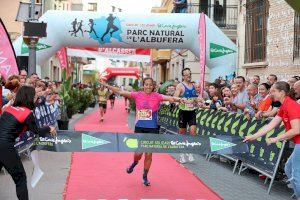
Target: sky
(132, 6)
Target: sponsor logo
(218, 50)
(39, 47)
(90, 141)
(131, 143)
(217, 144)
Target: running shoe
(129, 170)
(145, 181)
(182, 158)
(190, 157)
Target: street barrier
(261, 157)
(76, 141)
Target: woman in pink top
(147, 105)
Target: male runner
(187, 114)
(102, 99)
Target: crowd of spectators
(249, 96)
(46, 90)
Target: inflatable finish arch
(120, 71)
(154, 31)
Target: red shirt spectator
(288, 111)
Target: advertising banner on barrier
(211, 122)
(71, 141)
(46, 115)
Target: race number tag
(190, 104)
(144, 114)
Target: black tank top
(15, 121)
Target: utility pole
(32, 43)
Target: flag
(202, 56)
(8, 63)
(63, 59)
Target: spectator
(46, 79)
(13, 85)
(213, 90)
(155, 86)
(215, 97)
(206, 86)
(170, 90)
(216, 101)
(290, 116)
(223, 83)
(242, 97)
(256, 79)
(22, 81)
(205, 96)
(292, 81)
(180, 6)
(34, 77)
(266, 101)
(228, 100)
(247, 82)
(273, 109)
(176, 82)
(5, 92)
(272, 78)
(252, 104)
(226, 92)
(23, 74)
(218, 13)
(297, 90)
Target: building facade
(268, 39)
(169, 63)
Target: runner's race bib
(189, 105)
(102, 99)
(144, 114)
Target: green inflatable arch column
(295, 4)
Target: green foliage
(74, 99)
(85, 98)
(135, 87)
(65, 95)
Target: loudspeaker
(22, 62)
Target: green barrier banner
(71, 141)
(212, 123)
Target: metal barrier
(262, 158)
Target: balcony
(225, 17)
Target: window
(257, 12)
(92, 7)
(297, 36)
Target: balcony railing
(223, 17)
